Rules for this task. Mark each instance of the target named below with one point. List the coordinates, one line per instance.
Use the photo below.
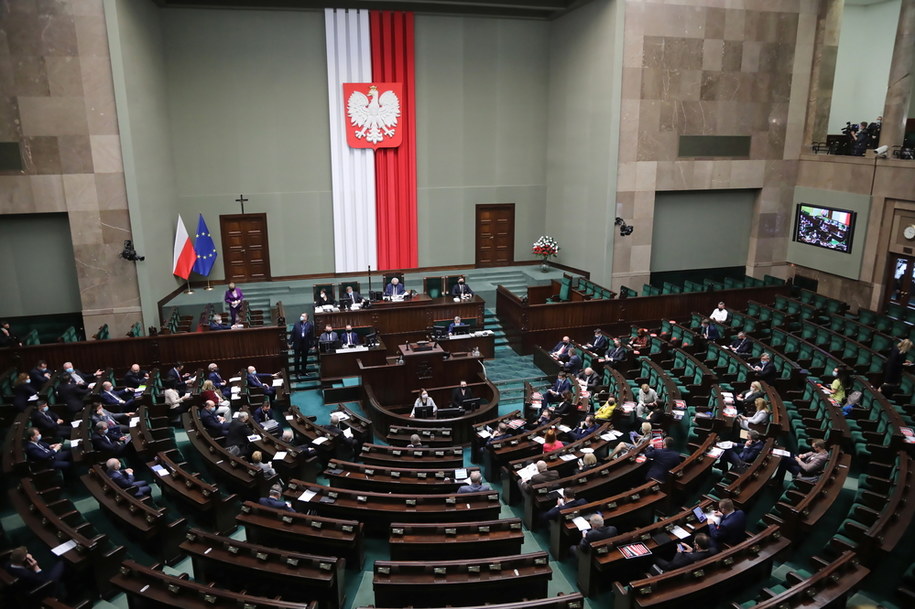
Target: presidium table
(403, 322)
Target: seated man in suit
(561, 351)
(709, 331)
(125, 478)
(214, 424)
(117, 401)
(352, 295)
(257, 380)
(349, 338)
(598, 344)
(588, 426)
(262, 414)
(662, 461)
(347, 445)
(598, 531)
(731, 527)
(550, 412)
(459, 394)
(214, 376)
(457, 323)
(544, 474)
(687, 555)
(119, 421)
(51, 426)
(180, 377)
(48, 455)
(741, 345)
(559, 386)
(476, 484)
(109, 442)
(765, 369)
(237, 442)
(617, 354)
(216, 323)
(290, 439)
(588, 379)
(395, 288)
(275, 500)
(461, 289)
(807, 466)
(39, 375)
(741, 456)
(136, 377)
(328, 336)
(30, 575)
(573, 365)
(74, 386)
(566, 500)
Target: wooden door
(900, 280)
(245, 248)
(495, 230)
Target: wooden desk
(344, 362)
(564, 601)
(401, 322)
(411, 541)
(382, 479)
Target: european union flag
(204, 248)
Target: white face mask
(425, 396)
(302, 318)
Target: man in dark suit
(109, 442)
(214, 424)
(117, 401)
(136, 377)
(561, 350)
(395, 288)
(349, 338)
(598, 344)
(662, 461)
(74, 386)
(328, 336)
(746, 454)
(216, 323)
(351, 294)
(237, 442)
(459, 394)
(617, 354)
(585, 428)
(544, 474)
(732, 527)
(566, 500)
(262, 413)
(179, 376)
(125, 478)
(765, 369)
(51, 426)
(118, 422)
(30, 575)
(709, 331)
(741, 345)
(686, 555)
(461, 289)
(275, 500)
(257, 381)
(589, 378)
(214, 377)
(598, 531)
(457, 323)
(39, 375)
(559, 386)
(476, 484)
(49, 455)
(301, 338)
(573, 365)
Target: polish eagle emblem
(373, 111)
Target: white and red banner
(373, 138)
(183, 255)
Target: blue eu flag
(204, 248)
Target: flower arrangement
(545, 247)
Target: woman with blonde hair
(892, 369)
(760, 417)
(747, 399)
(638, 439)
(209, 393)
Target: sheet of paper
(725, 445)
(307, 495)
(33, 398)
(235, 379)
(254, 438)
(63, 548)
(565, 428)
(319, 440)
(91, 386)
(134, 421)
(539, 439)
(160, 471)
(290, 417)
(781, 452)
(526, 473)
(568, 457)
(75, 424)
(348, 432)
(141, 389)
(484, 434)
(680, 532)
(280, 455)
(715, 452)
(277, 382)
(75, 443)
(342, 416)
(581, 523)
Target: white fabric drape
(353, 169)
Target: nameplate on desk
(357, 349)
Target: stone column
(899, 88)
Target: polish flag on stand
(184, 256)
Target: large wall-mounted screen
(825, 227)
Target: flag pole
(209, 287)
(189, 290)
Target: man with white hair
(597, 532)
(125, 478)
(237, 442)
(544, 474)
(257, 381)
(476, 484)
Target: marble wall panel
(40, 155)
(53, 116)
(75, 154)
(48, 193)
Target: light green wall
(140, 86)
(701, 229)
(247, 100)
(481, 96)
(863, 62)
(39, 271)
(837, 263)
(583, 135)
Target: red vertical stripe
(395, 168)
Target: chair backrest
(433, 286)
(328, 289)
(344, 284)
(386, 278)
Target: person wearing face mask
(50, 425)
(461, 289)
(136, 377)
(423, 400)
(300, 339)
(234, 297)
(74, 386)
(213, 376)
(39, 375)
(49, 455)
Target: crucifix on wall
(241, 200)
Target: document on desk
(581, 523)
(781, 452)
(564, 428)
(539, 439)
(348, 432)
(484, 433)
(160, 471)
(680, 532)
(307, 495)
(611, 435)
(235, 379)
(526, 473)
(568, 457)
(134, 421)
(277, 382)
(280, 455)
(63, 548)
(319, 440)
